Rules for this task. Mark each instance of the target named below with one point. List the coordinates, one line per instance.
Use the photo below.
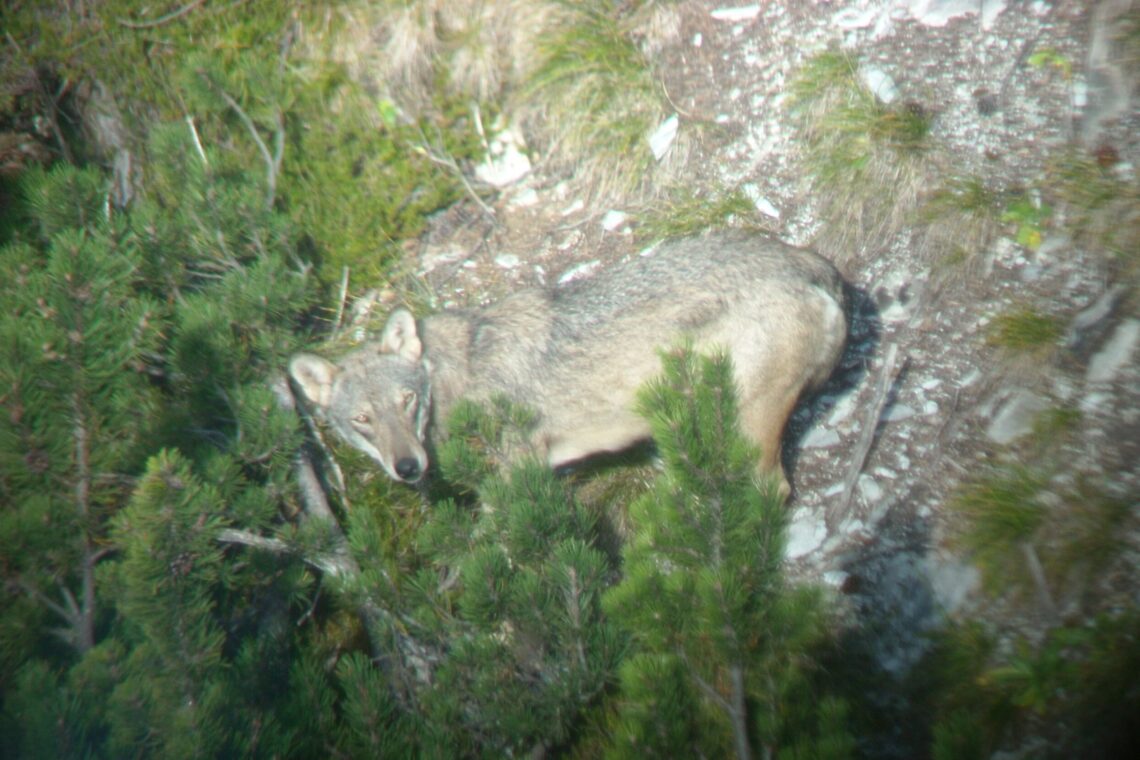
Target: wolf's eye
(361, 419)
(409, 401)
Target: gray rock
(899, 412)
(820, 438)
(1015, 417)
(1115, 354)
(952, 581)
(807, 533)
(1092, 322)
(879, 83)
(578, 271)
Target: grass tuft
(1026, 331)
(686, 213)
(598, 98)
(1103, 208)
(867, 158)
(1001, 513)
(962, 218)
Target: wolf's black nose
(408, 469)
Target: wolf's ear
(314, 376)
(400, 336)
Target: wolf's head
(377, 398)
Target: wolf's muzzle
(408, 469)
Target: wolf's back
(682, 285)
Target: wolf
(577, 354)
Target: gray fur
(577, 354)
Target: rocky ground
(921, 402)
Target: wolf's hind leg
(762, 419)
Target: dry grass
(407, 49)
(867, 159)
(962, 219)
(594, 97)
(578, 76)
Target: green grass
(1088, 535)
(1102, 205)
(1025, 330)
(867, 158)
(1000, 512)
(1077, 688)
(1056, 423)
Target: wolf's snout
(408, 469)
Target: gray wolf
(577, 354)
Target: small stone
(1015, 418)
(835, 578)
(869, 489)
(765, 207)
(1080, 93)
(437, 257)
(1091, 323)
(899, 412)
(524, 198)
(573, 238)
(842, 410)
(971, 377)
(614, 219)
(1096, 402)
(741, 13)
(879, 83)
(821, 438)
(853, 18)
(1115, 354)
(662, 138)
(507, 261)
(805, 535)
(952, 582)
(940, 12)
(506, 163)
(578, 271)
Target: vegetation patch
(684, 213)
(1025, 330)
(962, 218)
(1077, 689)
(598, 97)
(867, 158)
(1102, 203)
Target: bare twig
(839, 508)
(343, 297)
(272, 159)
(53, 100)
(85, 611)
(411, 663)
(449, 163)
(197, 140)
(172, 16)
(286, 400)
(337, 564)
(1044, 596)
